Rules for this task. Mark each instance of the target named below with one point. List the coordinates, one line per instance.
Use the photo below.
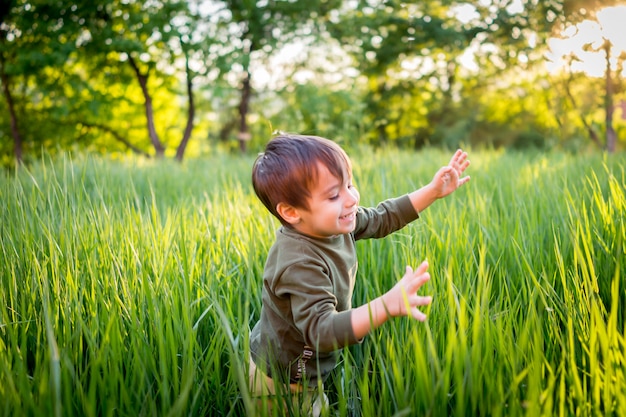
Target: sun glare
(584, 40)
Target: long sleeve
(389, 216)
(320, 302)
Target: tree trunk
(143, 83)
(611, 136)
(244, 135)
(592, 133)
(17, 138)
(191, 111)
(226, 129)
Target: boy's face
(332, 206)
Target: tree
(33, 38)
(258, 28)
(600, 36)
(147, 37)
(42, 55)
(409, 52)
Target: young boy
(309, 276)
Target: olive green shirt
(307, 295)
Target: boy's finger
(408, 274)
(423, 267)
(418, 315)
(424, 300)
(456, 156)
(418, 280)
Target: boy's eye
(334, 197)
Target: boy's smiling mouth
(349, 216)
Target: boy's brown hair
(287, 170)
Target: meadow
(128, 288)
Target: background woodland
(182, 78)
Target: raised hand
(449, 178)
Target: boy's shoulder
(291, 250)
(288, 239)
(295, 257)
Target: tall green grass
(129, 290)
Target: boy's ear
(288, 213)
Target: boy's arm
(401, 300)
(445, 181)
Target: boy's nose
(353, 197)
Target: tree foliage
(259, 28)
(157, 77)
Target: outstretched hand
(449, 178)
(402, 299)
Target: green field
(128, 288)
